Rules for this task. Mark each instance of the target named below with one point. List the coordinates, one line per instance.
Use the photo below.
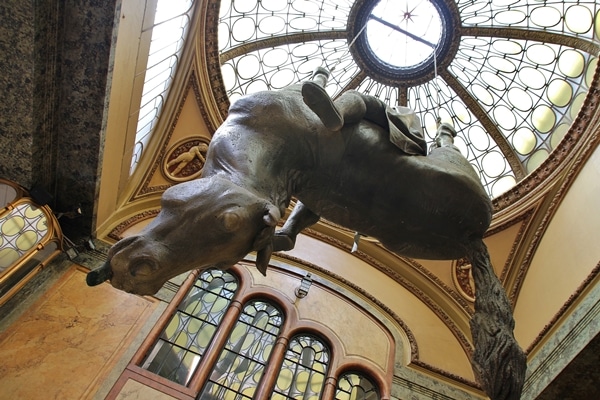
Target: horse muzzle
(99, 275)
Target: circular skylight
(403, 33)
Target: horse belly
(426, 213)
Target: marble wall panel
(16, 87)
(54, 62)
(84, 63)
(67, 343)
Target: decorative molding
(446, 374)
(563, 310)
(117, 231)
(200, 102)
(213, 61)
(466, 306)
(525, 219)
(433, 306)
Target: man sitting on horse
(402, 123)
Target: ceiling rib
(282, 40)
(487, 123)
(533, 35)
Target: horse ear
(263, 256)
(264, 240)
(272, 215)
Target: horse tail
(498, 362)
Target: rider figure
(402, 123)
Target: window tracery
(184, 340)
(219, 343)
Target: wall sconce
(302, 290)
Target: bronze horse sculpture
(338, 161)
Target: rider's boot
(445, 135)
(316, 98)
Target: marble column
(55, 58)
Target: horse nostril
(99, 275)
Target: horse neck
(270, 170)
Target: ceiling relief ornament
(185, 159)
(462, 276)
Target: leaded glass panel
(186, 337)
(355, 386)
(570, 17)
(280, 66)
(304, 369)
(243, 359)
(169, 30)
(20, 231)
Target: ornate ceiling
(510, 75)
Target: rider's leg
(375, 110)
(445, 135)
(317, 99)
(349, 108)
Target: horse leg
(349, 108)
(317, 99)
(300, 218)
(498, 362)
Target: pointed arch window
(304, 369)
(242, 362)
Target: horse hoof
(282, 242)
(317, 99)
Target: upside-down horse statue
(355, 162)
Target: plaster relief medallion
(185, 159)
(462, 275)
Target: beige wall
(567, 253)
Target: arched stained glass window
(219, 341)
(169, 30)
(355, 386)
(184, 340)
(242, 362)
(304, 370)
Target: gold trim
(53, 235)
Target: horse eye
(141, 268)
(231, 221)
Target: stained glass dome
(510, 75)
